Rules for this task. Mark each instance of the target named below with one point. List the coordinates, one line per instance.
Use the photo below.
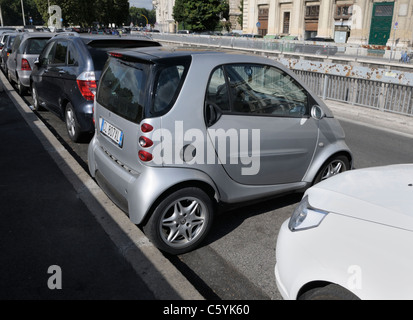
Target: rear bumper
(136, 192)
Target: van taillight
(87, 88)
(145, 156)
(26, 65)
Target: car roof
(106, 41)
(159, 53)
(26, 35)
(156, 54)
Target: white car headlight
(305, 217)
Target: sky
(147, 4)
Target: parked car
(25, 50)
(249, 35)
(184, 32)
(6, 45)
(179, 132)
(350, 238)
(317, 46)
(66, 74)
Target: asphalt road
(237, 259)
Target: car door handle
(62, 72)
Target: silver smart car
(180, 131)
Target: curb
(158, 273)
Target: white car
(351, 237)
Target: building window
(384, 11)
(312, 12)
(263, 20)
(286, 23)
(343, 12)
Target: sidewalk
(388, 121)
(53, 214)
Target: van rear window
(122, 89)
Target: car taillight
(145, 156)
(93, 116)
(115, 55)
(87, 89)
(145, 128)
(26, 65)
(145, 142)
(87, 84)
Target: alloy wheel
(183, 221)
(333, 168)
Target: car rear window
(35, 46)
(122, 88)
(125, 85)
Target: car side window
(166, 88)
(60, 53)
(46, 56)
(217, 92)
(72, 58)
(16, 43)
(265, 90)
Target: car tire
(332, 167)
(72, 126)
(180, 221)
(329, 292)
(35, 97)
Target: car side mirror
(37, 62)
(317, 112)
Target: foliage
(200, 15)
(137, 16)
(12, 12)
(74, 12)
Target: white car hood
(380, 194)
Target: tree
(137, 16)
(12, 12)
(84, 13)
(199, 15)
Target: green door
(381, 23)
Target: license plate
(111, 132)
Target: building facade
(164, 15)
(374, 22)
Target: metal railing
(367, 93)
(379, 95)
(323, 49)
